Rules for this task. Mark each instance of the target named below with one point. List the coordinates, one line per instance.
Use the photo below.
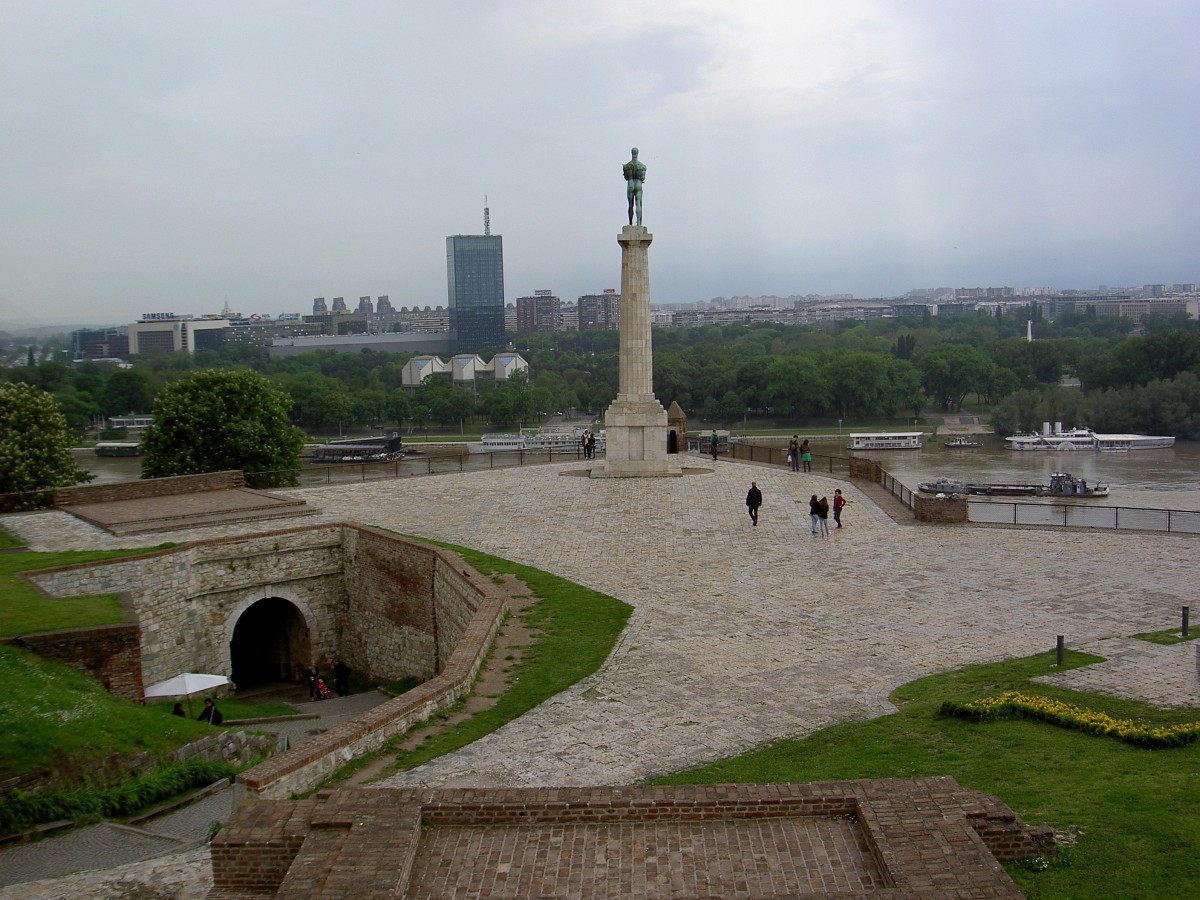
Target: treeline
(850, 369)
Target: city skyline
(181, 157)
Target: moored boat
(961, 442)
(1058, 438)
(550, 438)
(1062, 484)
(360, 450)
(118, 448)
(887, 440)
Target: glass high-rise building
(475, 278)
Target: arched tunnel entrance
(270, 643)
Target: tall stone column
(636, 423)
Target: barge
(1062, 484)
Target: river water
(1154, 479)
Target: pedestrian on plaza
(583, 444)
(591, 445)
(210, 713)
(341, 678)
(813, 505)
(806, 455)
(753, 501)
(823, 516)
(713, 441)
(794, 453)
(839, 503)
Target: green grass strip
(25, 611)
(1014, 705)
(1134, 811)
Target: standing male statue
(635, 174)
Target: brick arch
(268, 639)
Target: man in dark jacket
(210, 713)
(753, 501)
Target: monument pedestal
(635, 425)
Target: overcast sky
(175, 156)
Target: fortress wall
(186, 600)
(391, 627)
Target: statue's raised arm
(635, 174)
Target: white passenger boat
(549, 438)
(887, 440)
(1084, 439)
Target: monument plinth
(636, 423)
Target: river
(1153, 479)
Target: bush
(19, 811)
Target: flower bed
(1015, 705)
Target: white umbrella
(185, 685)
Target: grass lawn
(577, 628)
(1135, 810)
(24, 611)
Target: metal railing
(409, 466)
(1073, 515)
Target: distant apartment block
(600, 311)
(539, 313)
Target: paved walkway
(741, 636)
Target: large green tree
(35, 444)
(213, 421)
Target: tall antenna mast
(487, 217)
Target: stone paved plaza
(743, 635)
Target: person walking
(813, 505)
(794, 453)
(713, 441)
(806, 455)
(753, 501)
(839, 502)
(823, 516)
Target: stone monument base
(635, 439)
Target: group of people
(587, 441)
(799, 453)
(318, 689)
(818, 509)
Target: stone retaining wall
(148, 487)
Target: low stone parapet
(940, 511)
(148, 487)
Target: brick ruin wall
(111, 654)
(929, 836)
